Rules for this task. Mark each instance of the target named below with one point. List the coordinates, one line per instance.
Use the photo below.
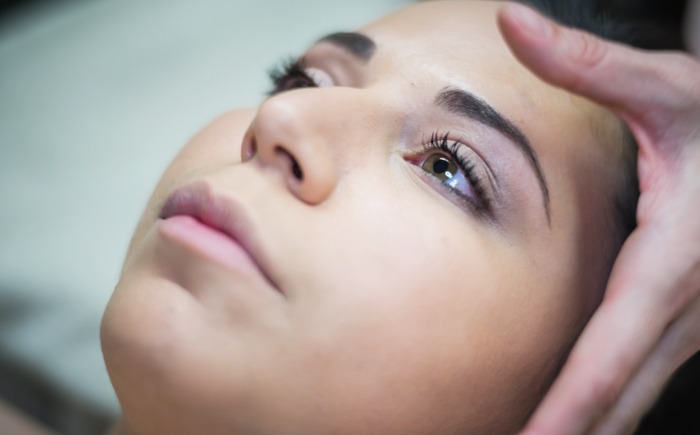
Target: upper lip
(201, 201)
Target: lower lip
(205, 240)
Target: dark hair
(597, 17)
(639, 23)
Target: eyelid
(465, 152)
(295, 73)
(343, 69)
(468, 165)
(495, 189)
(320, 77)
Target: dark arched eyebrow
(466, 104)
(357, 44)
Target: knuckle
(587, 53)
(679, 76)
(589, 50)
(683, 64)
(604, 393)
(687, 71)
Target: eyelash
(290, 74)
(442, 143)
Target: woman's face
(403, 240)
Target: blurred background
(96, 96)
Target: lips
(213, 226)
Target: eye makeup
(447, 162)
(452, 149)
(290, 74)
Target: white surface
(95, 97)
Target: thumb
(634, 83)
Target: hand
(649, 321)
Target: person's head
(422, 228)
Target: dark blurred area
(10, 7)
(665, 16)
(677, 412)
(7, 5)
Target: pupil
(440, 166)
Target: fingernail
(531, 21)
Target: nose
(295, 134)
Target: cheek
(417, 308)
(406, 318)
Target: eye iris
(440, 166)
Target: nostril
(249, 149)
(296, 170)
(293, 164)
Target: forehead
(459, 42)
(466, 15)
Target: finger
(595, 373)
(678, 344)
(602, 362)
(635, 83)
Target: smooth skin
(649, 321)
(380, 301)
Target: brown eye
(440, 166)
(447, 166)
(450, 174)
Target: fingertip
(525, 20)
(529, 35)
